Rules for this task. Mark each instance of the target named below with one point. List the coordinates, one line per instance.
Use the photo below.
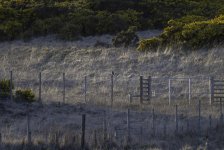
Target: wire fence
(60, 87)
(120, 126)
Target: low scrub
(25, 96)
(190, 32)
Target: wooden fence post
(188, 125)
(28, 127)
(64, 88)
(85, 88)
(169, 91)
(11, 86)
(210, 122)
(40, 84)
(176, 119)
(95, 138)
(130, 98)
(104, 127)
(83, 131)
(221, 114)
(149, 88)
(153, 122)
(112, 88)
(211, 89)
(199, 118)
(141, 135)
(164, 129)
(128, 125)
(189, 88)
(141, 89)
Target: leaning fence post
(169, 91)
(189, 88)
(28, 127)
(83, 131)
(11, 86)
(40, 84)
(176, 119)
(64, 88)
(211, 89)
(199, 118)
(128, 125)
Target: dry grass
(81, 58)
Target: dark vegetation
(70, 19)
(21, 95)
(189, 33)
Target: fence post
(11, 86)
(164, 130)
(211, 89)
(169, 91)
(28, 127)
(141, 89)
(149, 88)
(128, 125)
(141, 135)
(189, 88)
(112, 88)
(199, 118)
(130, 98)
(85, 88)
(83, 131)
(104, 126)
(40, 84)
(221, 114)
(210, 122)
(153, 122)
(64, 88)
(187, 124)
(176, 119)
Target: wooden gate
(145, 89)
(217, 91)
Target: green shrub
(191, 32)
(25, 96)
(5, 88)
(126, 38)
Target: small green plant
(5, 88)
(25, 95)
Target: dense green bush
(126, 38)
(5, 88)
(189, 32)
(25, 96)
